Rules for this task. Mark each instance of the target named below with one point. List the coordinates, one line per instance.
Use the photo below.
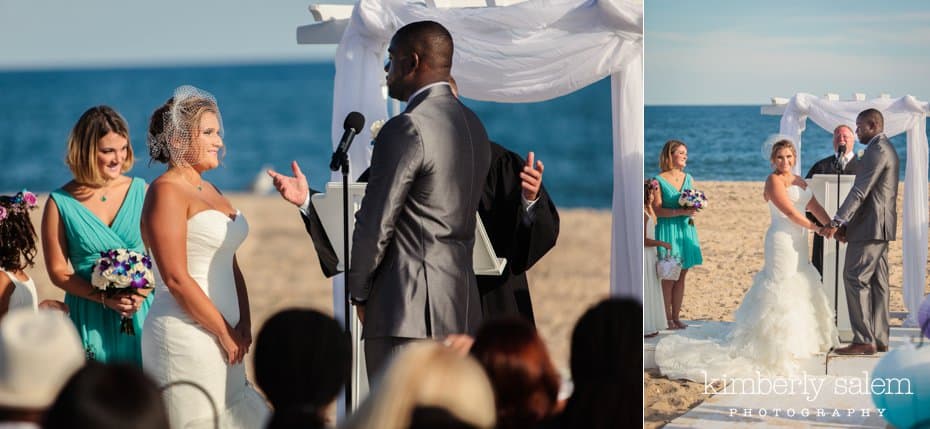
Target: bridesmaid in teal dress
(673, 225)
(97, 211)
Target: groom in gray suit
(411, 274)
(867, 221)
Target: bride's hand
(231, 344)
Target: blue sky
(94, 33)
(745, 52)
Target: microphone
(352, 126)
(841, 156)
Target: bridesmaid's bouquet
(692, 198)
(122, 271)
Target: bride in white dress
(785, 315)
(198, 327)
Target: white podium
(825, 187)
(329, 209)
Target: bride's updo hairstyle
(175, 125)
(665, 158)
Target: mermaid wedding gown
(176, 348)
(784, 317)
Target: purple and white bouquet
(122, 271)
(692, 198)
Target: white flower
(376, 128)
(861, 153)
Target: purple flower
(3, 213)
(138, 281)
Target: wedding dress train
(784, 317)
(175, 348)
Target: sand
(731, 231)
(282, 270)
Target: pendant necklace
(199, 187)
(106, 190)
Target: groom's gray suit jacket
(414, 233)
(870, 207)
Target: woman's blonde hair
(84, 139)
(428, 374)
(665, 158)
(783, 144)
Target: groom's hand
(293, 189)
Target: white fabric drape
(527, 52)
(904, 114)
(627, 238)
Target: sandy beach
(282, 270)
(731, 231)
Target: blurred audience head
(39, 351)
(429, 386)
(525, 382)
(108, 396)
(606, 361)
(302, 360)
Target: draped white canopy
(905, 114)
(531, 51)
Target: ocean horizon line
(160, 65)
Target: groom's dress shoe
(881, 348)
(856, 349)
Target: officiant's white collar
(417, 92)
(848, 156)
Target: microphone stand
(836, 253)
(345, 248)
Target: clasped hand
(126, 304)
(833, 233)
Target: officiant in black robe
(519, 231)
(831, 165)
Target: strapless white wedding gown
(176, 348)
(784, 317)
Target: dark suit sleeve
(324, 249)
(395, 162)
(868, 171)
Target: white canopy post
(905, 114)
(626, 262)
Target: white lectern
(825, 187)
(329, 209)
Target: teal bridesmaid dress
(88, 236)
(676, 230)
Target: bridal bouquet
(692, 198)
(120, 271)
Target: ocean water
(274, 113)
(725, 142)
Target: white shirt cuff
(529, 216)
(305, 207)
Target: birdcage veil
(176, 140)
(769, 143)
